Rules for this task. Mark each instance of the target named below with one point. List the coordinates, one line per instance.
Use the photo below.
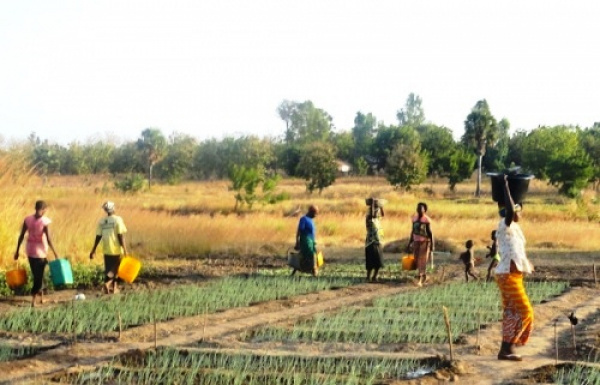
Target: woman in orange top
(421, 241)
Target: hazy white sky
(81, 69)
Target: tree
(153, 146)
(406, 166)
(460, 165)
(317, 166)
(556, 154)
(412, 114)
(440, 145)
(244, 181)
(481, 130)
(590, 141)
(178, 160)
(496, 155)
(388, 138)
(363, 133)
(305, 123)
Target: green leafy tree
(439, 144)
(153, 146)
(481, 130)
(590, 141)
(343, 143)
(406, 166)
(177, 163)
(556, 154)
(496, 155)
(363, 133)
(460, 165)
(244, 182)
(412, 114)
(74, 161)
(305, 124)
(317, 166)
(362, 166)
(571, 174)
(98, 156)
(127, 159)
(388, 138)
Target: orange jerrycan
(408, 262)
(16, 278)
(129, 269)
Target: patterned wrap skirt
(421, 253)
(517, 317)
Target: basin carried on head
(16, 278)
(61, 272)
(518, 185)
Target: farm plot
(96, 318)
(172, 366)
(413, 317)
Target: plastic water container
(320, 260)
(129, 269)
(518, 185)
(16, 278)
(408, 262)
(61, 272)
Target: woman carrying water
(421, 241)
(38, 242)
(517, 317)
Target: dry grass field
(197, 218)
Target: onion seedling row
(99, 316)
(182, 367)
(414, 317)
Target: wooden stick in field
(120, 324)
(595, 276)
(447, 322)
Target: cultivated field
(214, 303)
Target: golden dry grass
(196, 218)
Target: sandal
(509, 357)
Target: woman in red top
(421, 241)
(37, 245)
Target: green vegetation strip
(415, 317)
(170, 366)
(577, 374)
(101, 315)
(10, 352)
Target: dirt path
(480, 365)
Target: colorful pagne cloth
(517, 319)
(421, 253)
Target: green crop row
(577, 374)
(98, 316)
(172, 366)
(415, 317)
(10, 352)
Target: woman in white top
(517, 318)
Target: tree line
(310, 147)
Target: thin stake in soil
(155, 334)
(478, 332)
(556, 341)
(120, 324)
(595, 276)
(447, 322)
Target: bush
(131, 183)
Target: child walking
(468, 258)
(494, 255)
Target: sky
(82, 70)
